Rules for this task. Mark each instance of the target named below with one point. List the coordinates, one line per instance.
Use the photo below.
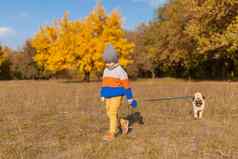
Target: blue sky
(21, 19)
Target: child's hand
(133, 103)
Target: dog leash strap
(168, 98)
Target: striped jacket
(115, 83)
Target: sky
(21, 19)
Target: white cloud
(6, 31)
(152, 3)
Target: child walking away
(114, 86)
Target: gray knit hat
(110, 54)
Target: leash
(129, 110)
(168, 98)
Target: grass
(63, 120)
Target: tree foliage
(5, 53)
(23, 65)
(193, 38)
(186, 38)
(78, 45)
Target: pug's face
(198, 99)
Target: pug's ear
(193, 98)
(203, 97)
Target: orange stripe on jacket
(115, 82)
(125, 83)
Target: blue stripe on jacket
(108, 92)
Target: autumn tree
(144, 64)
(193, 38)
(78, 45)
(5, 53)
(165, 41)
(214, 31)
(23, 65)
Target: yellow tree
(43, 42)
(3, 55)
(78, 45)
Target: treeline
(19, 64)
(189, 39)
(186, 39)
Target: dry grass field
(65, 120)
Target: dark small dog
(135, 118)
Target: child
(114, 86)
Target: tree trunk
(153, 74)
(87, 76)
(98, 75)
